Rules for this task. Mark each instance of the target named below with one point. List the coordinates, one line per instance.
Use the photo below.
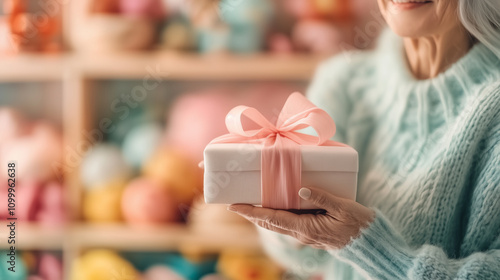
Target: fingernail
(305, 193)
(231, 208)
(201, 164)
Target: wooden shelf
(31, 236)
(32, 68)
(166, 65)
(122, 237)
(178, 66)
(164, 238)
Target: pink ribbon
(280, 156)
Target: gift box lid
(246, 157)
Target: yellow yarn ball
(102, 204)
(103, 265)
(244, 266)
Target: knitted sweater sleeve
(380, 252)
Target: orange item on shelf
(105, 7)
(176, 173)
(238, 265)
(146, 202)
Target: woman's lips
(408, 5)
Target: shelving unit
(76, 72)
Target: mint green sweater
(429, 155)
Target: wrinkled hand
(344, 219)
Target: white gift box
(233, 172)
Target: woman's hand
(334, 229)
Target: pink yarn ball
(197, 118)
(161, 272)
(13, 125)
(28, 193)
(146, 202)
(39, 153)
(143, 8)
(4, 211)
(51, 205)
(50, 267)
(280, 43)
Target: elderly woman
(423, 111)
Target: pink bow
(281, 158)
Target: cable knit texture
(429, 166)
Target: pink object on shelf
(50, 267)
(28, 193)
(161, 272)
(51, 205)
(39, 153)
(204, 113)
(146, 202)
(280, 43)
(13, 124)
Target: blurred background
(106, 107)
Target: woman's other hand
(342, 221)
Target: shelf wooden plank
(32, 68)
(160, 65)
(179, 66)
(164, 238)
(31, 236)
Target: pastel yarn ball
(161, 272)
(146, 202)
(51, 201)
(103, 204)
(103, 265)
(21, 270)
(102, 164)
(28, 193)
(13, 124)
(204, 113)
(176, 173)
(50, 267)
(39, 152)
(141, 142)
(143, 8)
(238, 265)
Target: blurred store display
(127, 203)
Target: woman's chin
(407, 28)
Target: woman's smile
(403, 5)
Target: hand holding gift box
(278, 158)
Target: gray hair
(482, 19)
